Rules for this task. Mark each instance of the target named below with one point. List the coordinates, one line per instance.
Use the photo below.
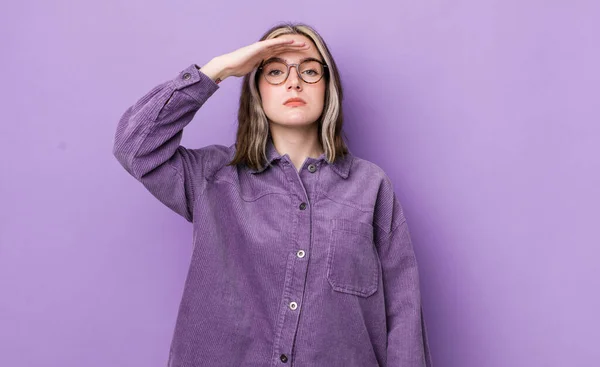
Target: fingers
(272, 47)
(278, 48)
(285, 48)
(263, 49)
(281, 50)
(282, 42)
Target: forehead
(295, 56)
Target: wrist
(215, 70)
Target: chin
(296, 120)
(292, 123)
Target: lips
(295, 102)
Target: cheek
(320, 93)
(267, 95)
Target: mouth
(295, 102)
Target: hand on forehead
(296, 55)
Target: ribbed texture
(356, 286)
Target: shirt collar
(341, 166)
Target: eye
(275, 72)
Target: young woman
(302, 255)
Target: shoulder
(362, 168)
(217, 150)
(387, 212)
(213, 158)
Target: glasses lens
(275, 72)
(311, 71)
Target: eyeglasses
(277, 72)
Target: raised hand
(241, 61)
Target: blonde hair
(253, 125)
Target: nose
(293, 81)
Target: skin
(294, 128)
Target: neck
(297, 143)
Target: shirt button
(293, 305)
(302, 206)
(186, 76)
(312, 168)
(283, 358)
(300, 253)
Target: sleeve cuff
(195, 83)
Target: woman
(302, 255)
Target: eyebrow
(285, 61)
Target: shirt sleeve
(407, 341)
(147, 140)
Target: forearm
(215, 69)
(407, 335)
(149, 131)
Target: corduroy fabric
(289, 268)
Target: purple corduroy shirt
(305, 268)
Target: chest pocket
(352, 262)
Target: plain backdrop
(483, 113)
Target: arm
(149, 132)
(407, 335)
(148, 135)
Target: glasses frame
(260, 68)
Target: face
(274, 97)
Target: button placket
(291, 309)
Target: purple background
(483, 113)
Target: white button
(293, 305)
(300, 253)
